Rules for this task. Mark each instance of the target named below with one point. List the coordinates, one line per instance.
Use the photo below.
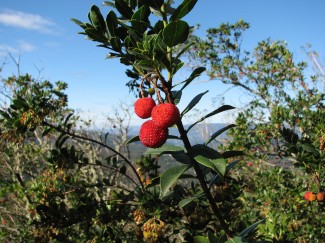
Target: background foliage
(63, 182)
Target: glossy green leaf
(201, 239)
(183, 9)
(97, 19)
(169, 177)
(216, 134)
(202, 149)
(193, 102)
(139, 20)
(175, 33)
(250, 228)
(123, 9)
(217, 165)
(112, 22)
(219, 110)
(165, 149)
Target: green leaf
(97, 19)
(219, 110)
(216, 134)
(186, 201)
(196, 73)
(139, 20)
(93, 34)
(20, 103)
(123, 9)
(250, 228)
(116, 44)
(132, 140)
(108, 4)
(184, 49)
(183, 9)
(169, 177)
(232, 165)
(112, 22)
(202, 149)
(175, 33)
(232, 153)
(217, 165)
(78, 22)
(153, 3)
(177, 95)
(193, 102)
(201, 239)
(165, 149)
(181, 157)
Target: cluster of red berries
(154, 132)
(310, 196)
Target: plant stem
(203, 184)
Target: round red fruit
(151, 135)
(165, 115)
(310, 196)
(143, 107)
(320, 196)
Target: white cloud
(26, 47)
(5, 49)
(26, 21)
(23, 46)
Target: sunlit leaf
(97, 19)
(183, 9)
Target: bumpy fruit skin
(310, 196)
(153, 229)
(320, 196)
(165, 115)
(143, 107)
(151, 135)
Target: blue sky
(42, 35)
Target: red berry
(151, 135)
(143, 107)
(320, 196)
(310, 196)
(165, 115)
